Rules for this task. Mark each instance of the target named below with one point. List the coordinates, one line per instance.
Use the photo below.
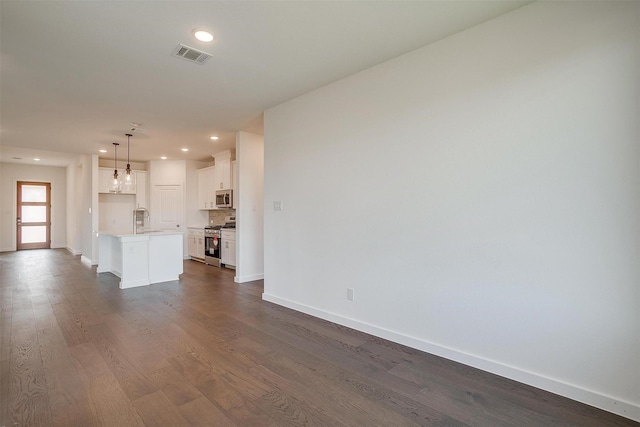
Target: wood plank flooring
(204, 351)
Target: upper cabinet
(105, 176)
(206, 191)
(104, 179)
(138, 185)
(223, 170)
(214, 178)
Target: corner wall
(249, 212)
(74, 207)
(88, 215)
(480, 195)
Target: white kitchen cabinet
(228, 250)
(196, 243)
(141, 189)
(206, 188)
(234, 183)
(223, 174)
(223, 170)
(104, 179)
(214, 178)
(138, 186)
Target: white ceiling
(76, 74)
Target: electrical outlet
(277, 206)
(350, 294)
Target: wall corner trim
(73, 251)
(249, 278)
(601, 401)
(88, 261)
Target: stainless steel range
(212, 245)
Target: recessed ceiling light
(36, 159)
(163, 157)
(185, 149)
(203, 36)
(215, 138)
(102, 151)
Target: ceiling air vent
(191, 54)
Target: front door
(34, 215)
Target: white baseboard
(250, 278)
(133, 283)
(52, 247)
(88, 261)
(73, 251)
(607, 403)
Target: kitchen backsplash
(217, 217)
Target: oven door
(212, 245)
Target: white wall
(10, 174)
(167, 172)
(481, 195)
(194, 216)
(250, 211)
(74, 207)
(89, 211)
(116, 212)
(82, 208)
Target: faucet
(140, 218)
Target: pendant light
(115, 186)
(128, 179)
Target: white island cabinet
(141, 259)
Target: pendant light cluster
(116, 184)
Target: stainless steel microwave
(224, 198)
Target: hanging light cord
(128, 145)
(115, 161)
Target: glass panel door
(34, 215)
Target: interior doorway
(33, 222)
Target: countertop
(127, 233)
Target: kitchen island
(141, 259)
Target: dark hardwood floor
(77, 351)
